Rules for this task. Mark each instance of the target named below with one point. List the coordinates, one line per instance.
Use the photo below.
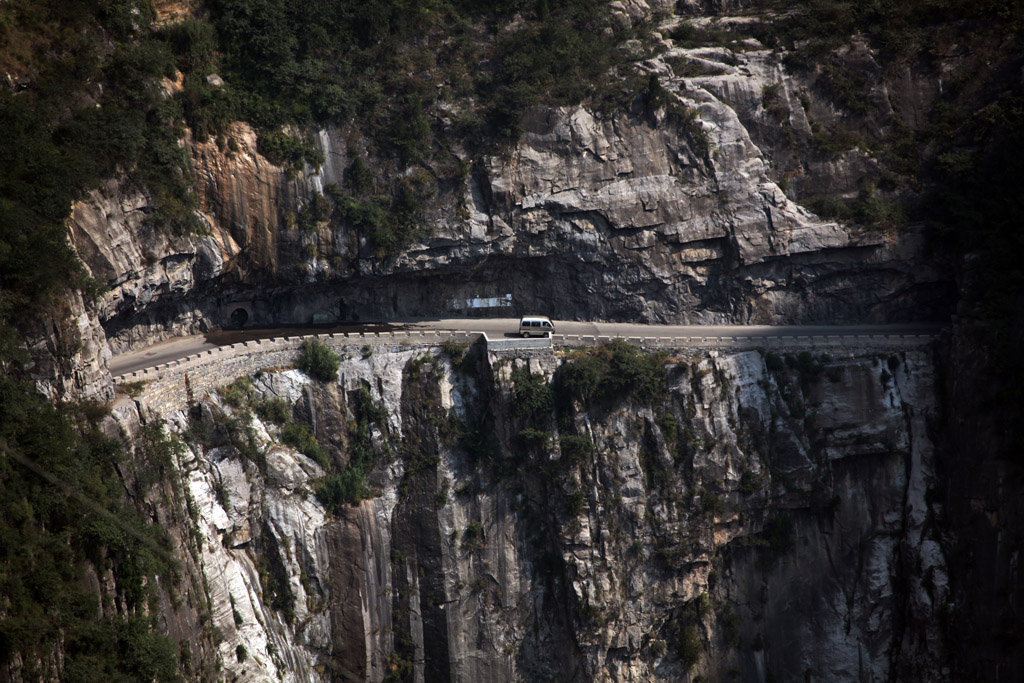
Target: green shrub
(531, 393)
(222, 494)
(473, 536)
(834, 142)
(667, 423)
(656, 94)
(773, 362)
(390, 222)
(318, 361)
(770, 95)
(358, 177)
(242, 437)
(237, 393)
(349, 486)
(296, 435)
(194, 43)
(582, 375)
(808, 366)
(346, 487)
(714, 505)
(575, 448)
(535, 438)
(288, 151)
(133, 389)
(273, 409)
(456, 351)
(748, 482)
(731, 623)
(612, 372)
(849, 90)
(576, 503)
(831, 207)
(63, 514)
(631, 371)
(689, 647)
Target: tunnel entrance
(239, 317)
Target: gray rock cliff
(670, 215)
(765, 515)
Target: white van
(536, 326)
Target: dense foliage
(92, 103)
(898, 27)
(413, 79)
(348, 486)
(63, 515)
(386, 64)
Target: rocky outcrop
(765, 514)
(668, 212)
(69, 352)
(158, 284)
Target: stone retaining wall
(168, 385)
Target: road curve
(180, 347)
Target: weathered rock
(783, 514)
(153, 277)
(671, 216)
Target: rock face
(69, 352)
(759, 515)
(670, 213)
(152, 277)
(982, 499)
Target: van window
(546, 324)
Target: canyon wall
(763, 518)
(760, 516)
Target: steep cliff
(668, 209)
(736, 515)
(757, 516)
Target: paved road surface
(173, 349)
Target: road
(180, 347)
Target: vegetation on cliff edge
(64, 517)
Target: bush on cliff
(348, 487)
(613, 371)
(532, 393)
(297, 435)
(318, 361)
